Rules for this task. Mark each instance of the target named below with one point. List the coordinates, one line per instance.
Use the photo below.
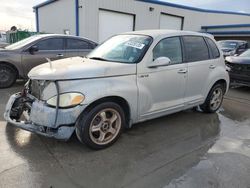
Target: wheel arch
(116, 99)
(11, 65)
(222, 81)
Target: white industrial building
(99, 19)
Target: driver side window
(50, 44)
(169, 47)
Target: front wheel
(214, 99)
(101, 126)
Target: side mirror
(33, 49)
(159, 62)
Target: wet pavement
(187, 149)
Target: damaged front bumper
(42, 119)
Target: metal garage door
(170, 22)
(111, 23)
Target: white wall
(170, 22)
(145, 19)
(57, 16)
(60, 15)
(111, 23)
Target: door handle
(59, 55)
(182, 71)
(212, 66)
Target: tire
(101, 126)
(8, 76)
(214, 99)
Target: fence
(15, 36)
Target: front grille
(243, 69)
(239, 72)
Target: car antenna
(49, 61)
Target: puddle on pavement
(226, 163)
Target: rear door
(52, 48)
(200, 67)
(78, 47)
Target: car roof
(162, 32)
(62, 35)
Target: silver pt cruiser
(130, 78)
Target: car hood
(80, 68)
(238, 59)
(3, 50)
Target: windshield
(122, 48)
(245, 54)
(22, 43)
(228, 44)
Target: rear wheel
(101, 126)
(214, 99)
(8, 76)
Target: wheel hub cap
(216, 99)
(105, 126)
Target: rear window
(213, 48)
(195, 49)
(75, 44)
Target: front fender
(97, 88)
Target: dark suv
(18, 59)
(239, 69)
(233, 47)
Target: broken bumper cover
(42, 119)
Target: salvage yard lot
(187, 149)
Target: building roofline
(47, 2)
(44, 4)
(225, 26)
(193, 8)
(229, 32)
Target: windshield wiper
(98, 58)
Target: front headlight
(67, 100)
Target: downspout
(77, 16)
(37, 19)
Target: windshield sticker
(135, 44)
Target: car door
(52, 48)
(200, 67)
(77, 47)
(162, 88)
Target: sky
(19, 13)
